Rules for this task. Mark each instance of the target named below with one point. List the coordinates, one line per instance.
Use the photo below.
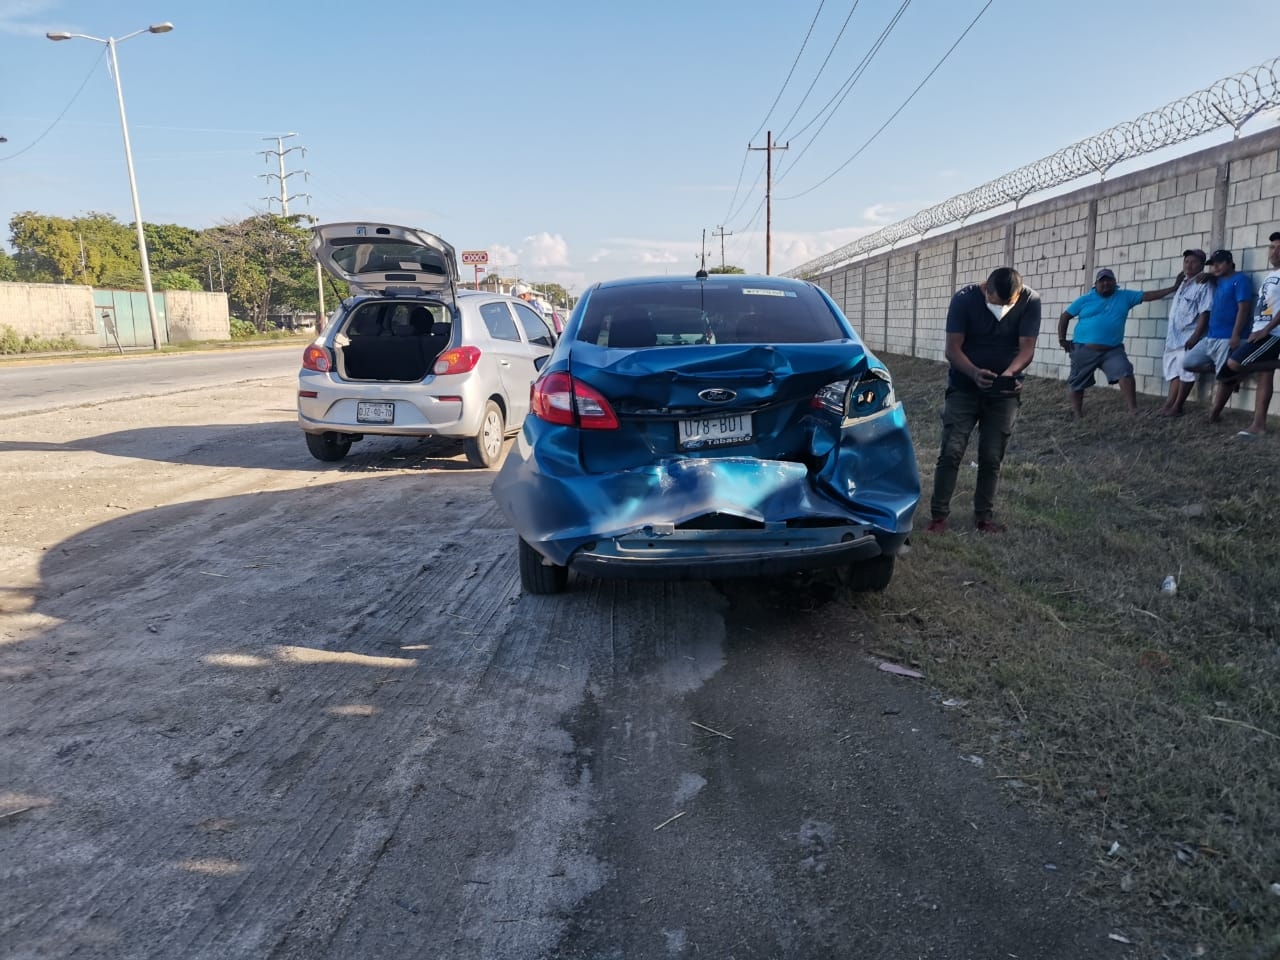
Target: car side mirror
(540, 362)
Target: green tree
(265, 263)
(169, 246)
(8, 269)
(95, 249)
(727, 268)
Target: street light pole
(128, 159)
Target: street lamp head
(160, 27)
(58, 36)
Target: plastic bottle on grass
(1170, 586)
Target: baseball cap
(1195, 252)
(519, 290)
(1221, 256)
(1104, 272)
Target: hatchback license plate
(715, 431)
(375, 413)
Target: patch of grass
(1137, 719)
(12, 342)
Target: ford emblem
(717, 395)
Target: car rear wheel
(485, 447)
(873, 574)
(327, 446)
(537, 576)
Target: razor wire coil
(1231, 101)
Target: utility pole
(279, 153)
(768, 148)
(722, 233)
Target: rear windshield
(662, 315)
(358, 255)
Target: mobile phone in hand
(1004, 385)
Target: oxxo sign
(477, 259)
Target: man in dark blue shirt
(991, 339)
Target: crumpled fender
(868, 476)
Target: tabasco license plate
(721, 431)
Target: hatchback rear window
(702, 313)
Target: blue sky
(580, 141)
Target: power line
(730, 212)
(789, 72)
(75, 96)
(895, 113)
(747, 196)
(847, 88)
(741, 170)
(814, 83)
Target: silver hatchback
(410, 354)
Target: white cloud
(14, 12)
(882, 213)
(545, 250)
(658, 256)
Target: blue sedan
(708, 427)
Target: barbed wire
(1231, 101)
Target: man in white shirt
(1260, 354)
(1191, 301)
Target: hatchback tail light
(317, 358)
(562, 400)
(457, 360)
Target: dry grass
(1139, 719)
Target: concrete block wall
(901, 307)
(935, 283)
(195, 315)
(874, 301)
(854, 288)
(1138, 225)
(52, 310)
(49, 311)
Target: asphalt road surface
(254, 706)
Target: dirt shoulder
(252, 706)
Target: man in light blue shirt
(1099, 340)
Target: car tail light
(457, 360)
(317, 358)
(560, 399)
(856, 399)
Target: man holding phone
(1099, 342)
(991, 339)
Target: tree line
(261, 263)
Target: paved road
(252, 706)
(32, 387)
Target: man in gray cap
(1099, 341)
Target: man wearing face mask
(991, 338)
(1099, 342)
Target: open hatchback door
(379, 258)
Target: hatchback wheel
(327, 446)
(485, 447)
(872, 574)
(537, 576)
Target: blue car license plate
(715, 431)
(375, 412)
